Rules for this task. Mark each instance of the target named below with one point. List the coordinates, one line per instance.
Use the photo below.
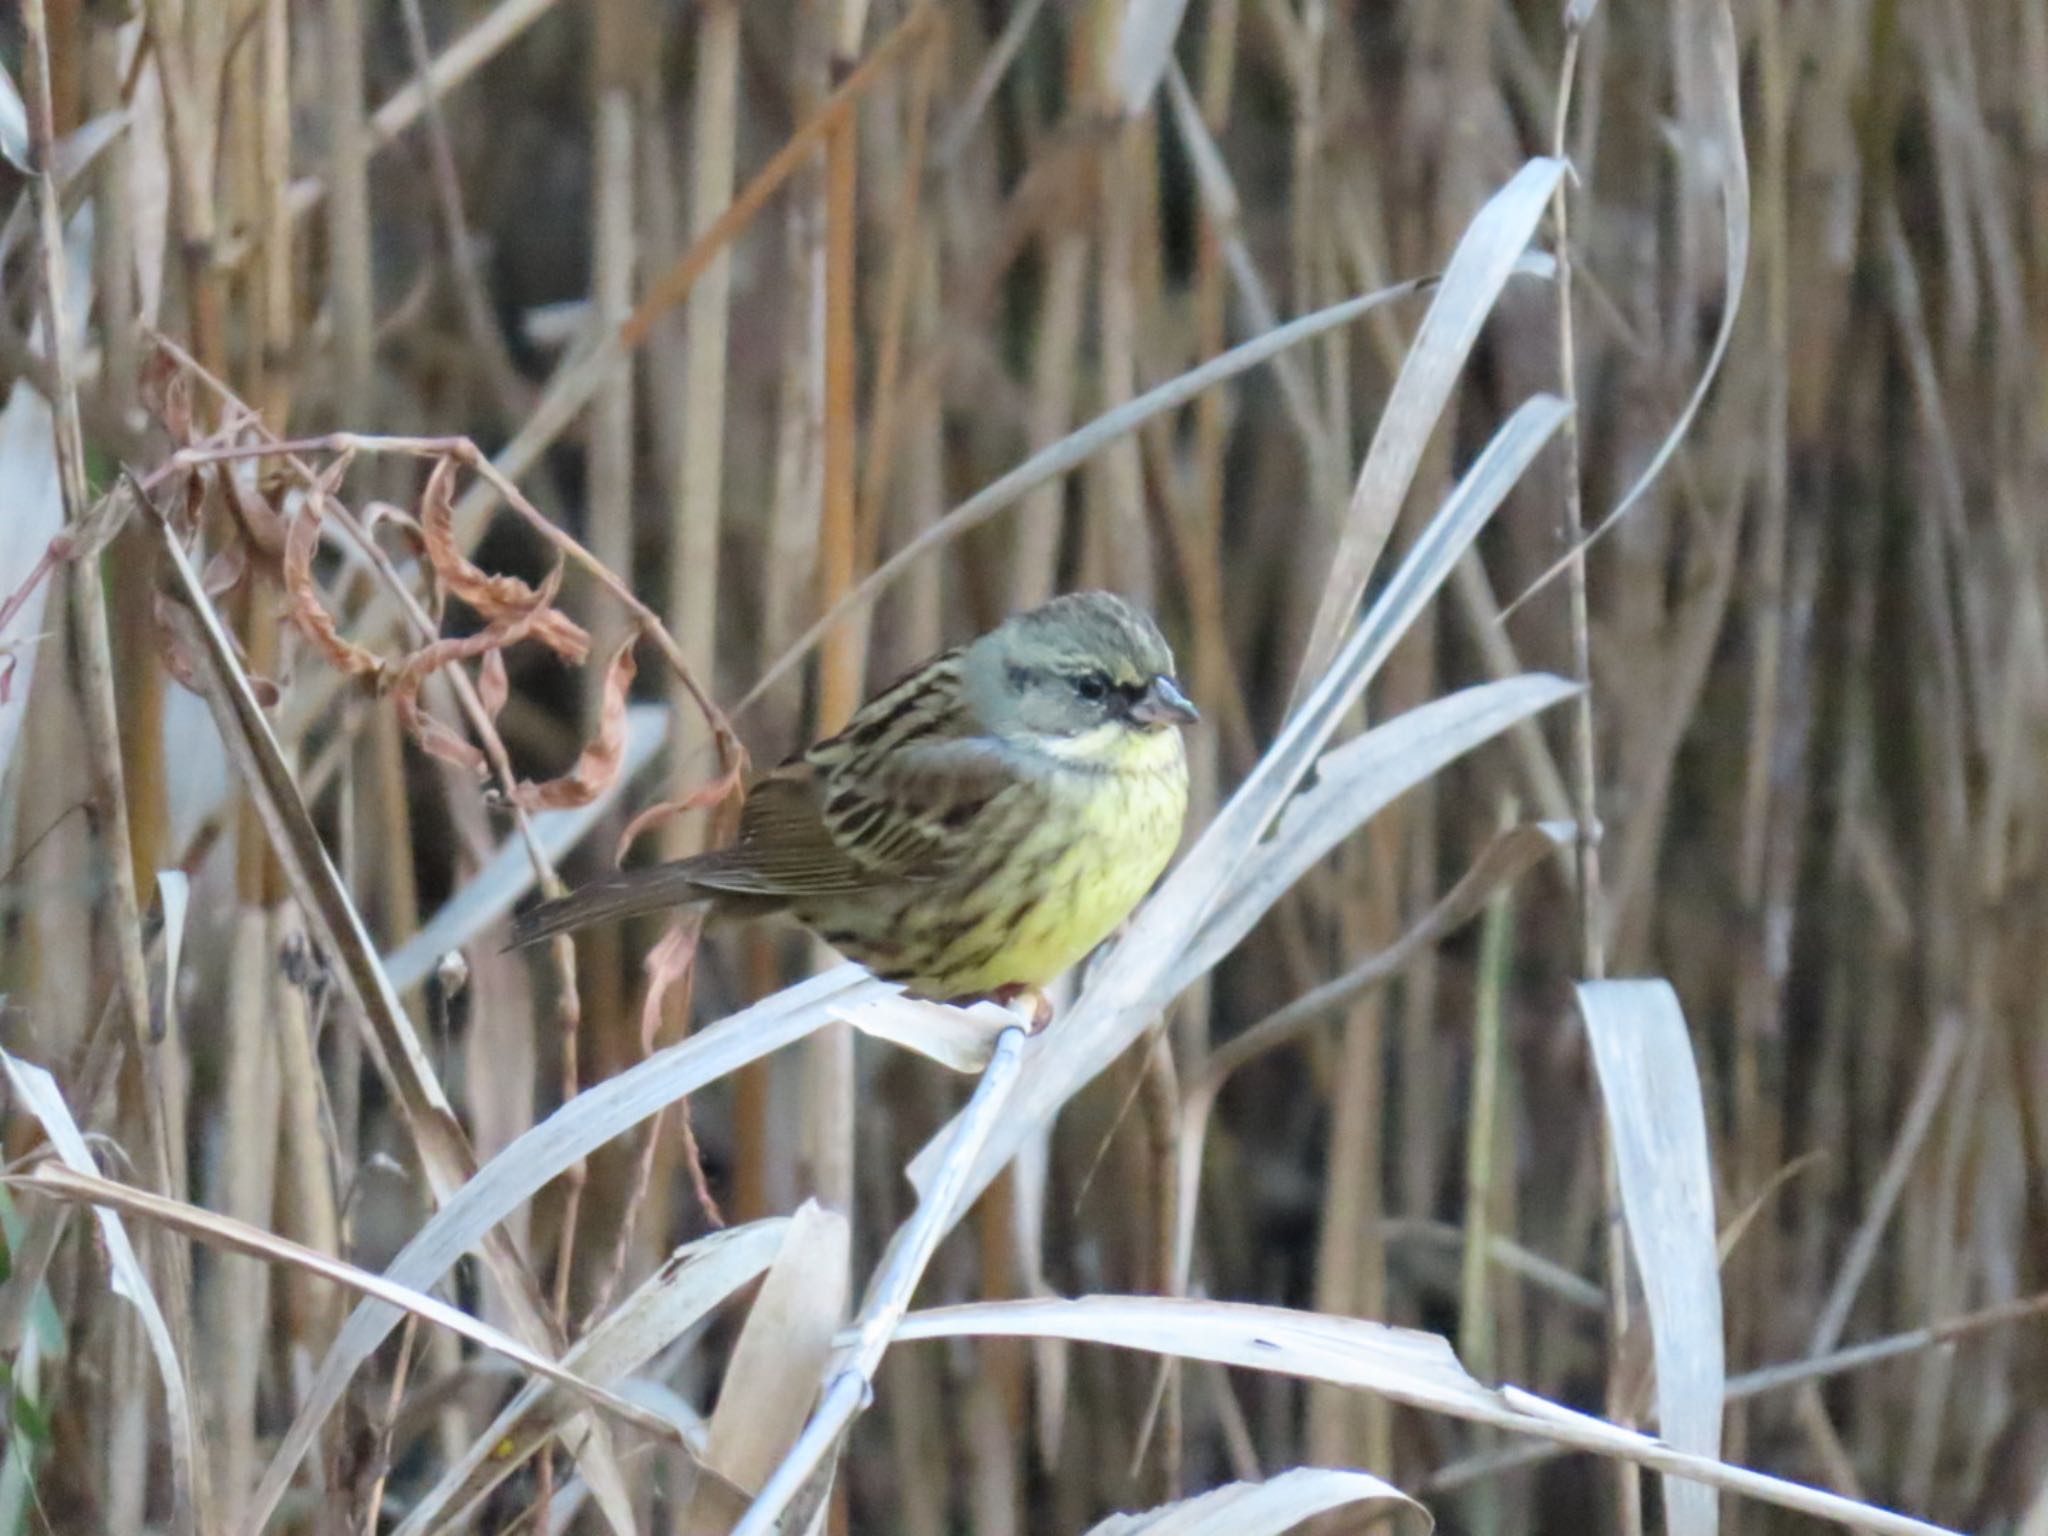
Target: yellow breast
(1109, 827)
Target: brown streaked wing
(784, 848)
(909, 818)
(918, 811)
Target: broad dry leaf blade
(1353, 784)
(1418, 1369)
(1657, 1123)
(958, 1038)
(696, 1279)
(1144, 47)
(1479, 268)
(543, 1153)
(1277, 1505)
(36, 1091)
(772, 1379)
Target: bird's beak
(1164, 704)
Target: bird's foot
(1029, 1001)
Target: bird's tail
(625, 894)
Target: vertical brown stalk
(1592, 917)
(829, 1060)
(93, 659)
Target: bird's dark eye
(1092, 686)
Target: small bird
(976, 829)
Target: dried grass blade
(541, 1154)
(1267, 1509)
(961, 1039)
(1479, 269)
(696, 1279)
(1418, 1369)
(37, 1092)
(1656, 1120)
(772, 1379)
(106, 1195)
(1144, 47)
(1354, 783)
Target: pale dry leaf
(1657, 1125)
(1353, 783)
(772, 1378)
(959, 1038)
(695, 1280)
(1479, 269)
(1417, 1369)
(36, 1091)
(1144, 47)
(1270, 1508)
(538, 1156)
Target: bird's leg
(1028, 1000)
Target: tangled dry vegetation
(1589, 461)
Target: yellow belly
(1074, 876)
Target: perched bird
(975, 830)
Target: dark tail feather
(626, 894)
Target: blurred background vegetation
(1818, 658)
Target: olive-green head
(1071, 666)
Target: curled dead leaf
(594, 771)
(262, 525)
(435, 738)
(497, 598)
(308, 613)
(509, 628)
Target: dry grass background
(755, 310)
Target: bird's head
(1083, 671)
